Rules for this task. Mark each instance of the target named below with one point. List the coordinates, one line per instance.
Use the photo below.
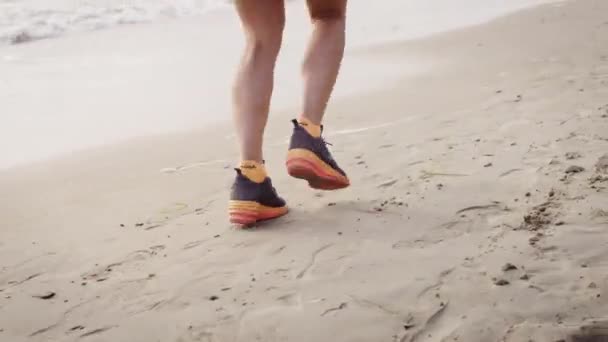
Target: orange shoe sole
(248, 213)
(304, 164)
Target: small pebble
(509, 267)
(501, 282)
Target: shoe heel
(243, 213)
(300, 168)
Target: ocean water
(27, 20)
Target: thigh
(261, 17)
(326, 9)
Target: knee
(267, 40)
(328, 16)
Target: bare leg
(324, 55)
(263, 22)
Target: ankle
(253, 170)
(313, 128)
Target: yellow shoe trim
(310, 127)
(254, 171)
(254, 207)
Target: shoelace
(324, 150)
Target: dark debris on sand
(573, 155)
(540, 216)
(601, 171)
(501, 282)
(45, 296)
(508, 267)
(77, 327)
(535, 220)
(602, 164)
(575, 169)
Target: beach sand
(478, 211)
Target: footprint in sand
(171, 212)
(103, 273)
(194, 244)
(313, 260)
(291, 299)
(445, 231)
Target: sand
(478, 211)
